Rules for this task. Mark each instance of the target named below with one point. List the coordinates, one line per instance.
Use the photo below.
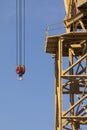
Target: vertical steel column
(59, 80)
(86, 58)
(71, 86)
(56, 112)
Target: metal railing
(55, 29)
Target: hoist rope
(20, 32)
(24, 31)
(16, 32)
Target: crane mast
(70, 54)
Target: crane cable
(24, 31)
(20, 32)
(16, 32)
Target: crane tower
(70, 54)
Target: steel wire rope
(16, 32)
(20, 32)
(56, 23)
(24, 29)
(51, 25)
(56, 28)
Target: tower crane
(20, 38)
(70, 78)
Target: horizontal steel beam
(73, 76)
(75, 117)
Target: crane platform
(73, 39)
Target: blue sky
(27, 104)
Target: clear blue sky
(27, 104)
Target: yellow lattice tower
(70, 54)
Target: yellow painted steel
(70, 53)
